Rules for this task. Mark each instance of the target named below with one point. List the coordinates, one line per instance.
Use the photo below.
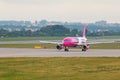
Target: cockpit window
(67, 40)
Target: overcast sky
(61, 10)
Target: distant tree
(55, 30)
(74, 32)
(3, 33)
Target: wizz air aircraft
(68, 42)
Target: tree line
(53, 30)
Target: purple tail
(84, 31)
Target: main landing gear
(84, 48)
(59, 47)
(66, 49)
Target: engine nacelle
(59, 47)
(85, 47)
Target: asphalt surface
(20, 52)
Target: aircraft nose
(66, 43)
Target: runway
(20, 52)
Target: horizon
(85, 11)
(32, 21)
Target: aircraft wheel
(66, 49)
(83, 49)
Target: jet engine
(59, 47)
(85, 47)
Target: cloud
(60, 9)
(48, 2)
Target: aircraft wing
(102, 41)
(99, 42)
(52, 42)
(92, 41)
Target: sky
(61, 10)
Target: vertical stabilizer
(84, 31)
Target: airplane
(68, 42)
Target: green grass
(53, 38)
(26, 45)
(93, 46)
(59, 68)
(30, 38)
(106, 46)
(104, 37)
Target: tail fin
(84, 31)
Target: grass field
(93, 46)
(30, 38)
(105, 46)
(26, 45)
(53, 38)
(60, 68)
